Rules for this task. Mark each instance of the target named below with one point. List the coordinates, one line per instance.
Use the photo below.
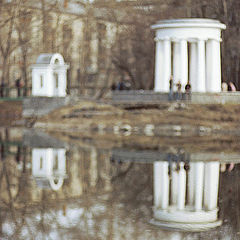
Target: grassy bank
(10, 111)
(92, 115)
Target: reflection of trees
(16, 187)
(44, 218)
(133, 180)
(230, 199)
(115, 201)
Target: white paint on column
(191, 183)
(184, 63)
(201, 74)
(211, 183)
(199, 181)
(176, 62)
(158, 66)
(174, 185)
(213, 66)
(157, 184)
(166, 69)
(181, 187)
(165, 185)
(161, 185)
(193, 66)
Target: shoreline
(165, 119)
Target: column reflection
(185, 195)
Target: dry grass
(10, 111)
(92, 113)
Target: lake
(64, 186)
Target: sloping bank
(163, 119)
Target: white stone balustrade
(201, 37)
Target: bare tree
(24, 42)
(133, 51)
(9, 11)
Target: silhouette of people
(188, 91)
(186, 166)
(2, 152)
(170, 95)
(127, 85)
(121, 86)
(2, 86)
(179, 157)
(231, 87)
(18, 85)
(18, 154)
(113, 87)
(224, 87)
(179, 90)
(229, 167)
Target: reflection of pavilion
(49, 167)
(186, 200)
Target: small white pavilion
(49, 167)
(188, 200)
(188, 49)
(49, 76)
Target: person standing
(224, 87)
(188, 91)
(170, 94)
(18, 86)
(232, 87)
(121, 86)
(179, 90)
(2, 88)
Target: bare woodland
(115, 43)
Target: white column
(157, 184)
(165, 185)
(174, 185)
(167, 64)
(48, 80)
(213, 66)
(193, 66)
(199, 181)
(181, 187)
(161, 185)
(162, 65)
(158, 63)
(211, 185)
(49, 161)
(184, 63)
(191, 183)
(176, 62)
(201, 70)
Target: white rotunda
(189, 50)
(49, 76)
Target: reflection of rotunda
(186, 200)
(188, 49)
(186, 184)
(49, 167)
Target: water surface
(99, 189)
